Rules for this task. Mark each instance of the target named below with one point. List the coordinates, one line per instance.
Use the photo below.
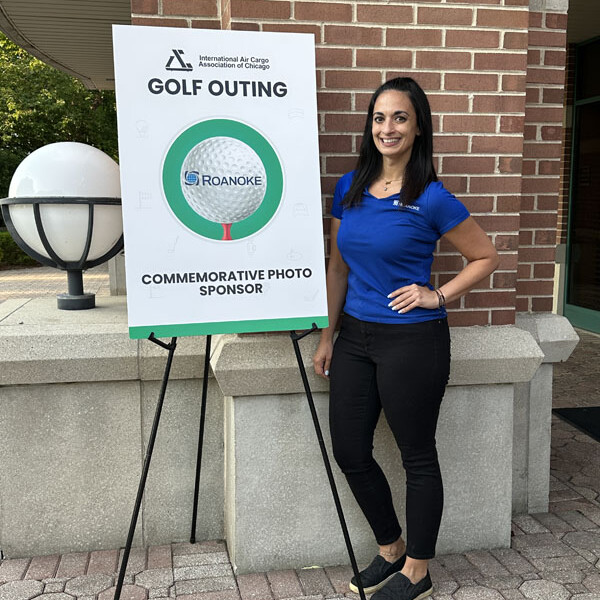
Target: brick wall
(488, 96)
(542, 157)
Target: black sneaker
(377, 574)
(401, 588)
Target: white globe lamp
(64, 210)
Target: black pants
(403, 369)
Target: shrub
(11, 255)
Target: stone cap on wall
(553, 333)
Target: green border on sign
(259, 325)
(171, 177)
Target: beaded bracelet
(441, 298)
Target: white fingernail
(389, 303)
(327, 373)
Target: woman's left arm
(482, 259)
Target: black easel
(171, 348)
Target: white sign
(220, 181)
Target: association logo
(176, 62)
(222, 179)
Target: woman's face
(394, 125)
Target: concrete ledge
(554, 334)
(252, 365)
(41, 344)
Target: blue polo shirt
(388, 245)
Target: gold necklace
(386, 183)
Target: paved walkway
(554, 556)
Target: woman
(393, 350)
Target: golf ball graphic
(223, 180)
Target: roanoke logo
(222, 179)
(176, 62)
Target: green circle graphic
(171, 178)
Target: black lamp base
(76, 302)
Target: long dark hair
(419, 171)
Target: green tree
(40, 105)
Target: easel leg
(338, 505)
(200, 438)
(138, 501)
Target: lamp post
(64, 210)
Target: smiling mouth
(389, 141)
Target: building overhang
(74, 36)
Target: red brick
(544, 271)
(333, 101)
(545, 237)
(522, 305)
(468, 164)
(527, 203)
(323, 11)
(203, 24)
(544, 114)
(530, 167)
(444, 16)
(535, 288)
(536, 255)
(503, 317)
(526, 238)
(556, 21)
(472, 82)
(334, 57)
(516, 2)
(159, 22)
(547, 39)
(535, 20)
(294, 28)
(450, 143)
(360, 36)
(508, 261)
(542, 304)
(532, 95)
(469, 123)
(505, 280)
(479, 204)
(384, 58)
(511, 124)
(538, 220)
(428, 81)
(549, 167)
(144, 6)
(534, 57)
(553, 95)
(530, 132)
(447, 103)
(540, 185)
(260, 9)
(496, 144)
(73, 564)
(500, 61)
(510, 164)
(353, 79)
(548, 203)
(443, 60)
(508, 204)
(339, 164)
(467, 318)
(489, 299)
(543, 150)
(285, 584)
(335, 143)
(471, 38)
(507, 242)
(524, 271)
(456, 185)
(448, 262)
(502, 184)
(555, 58)
(368, 13)
(254, 586)
(190, 8)
(245, 26)
(411, 38)
(344, 123)
(499, 103)
(515, 41)
(513, 83)
(510, 19)
(105, 561)
(328, 184)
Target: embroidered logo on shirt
(411, 206)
